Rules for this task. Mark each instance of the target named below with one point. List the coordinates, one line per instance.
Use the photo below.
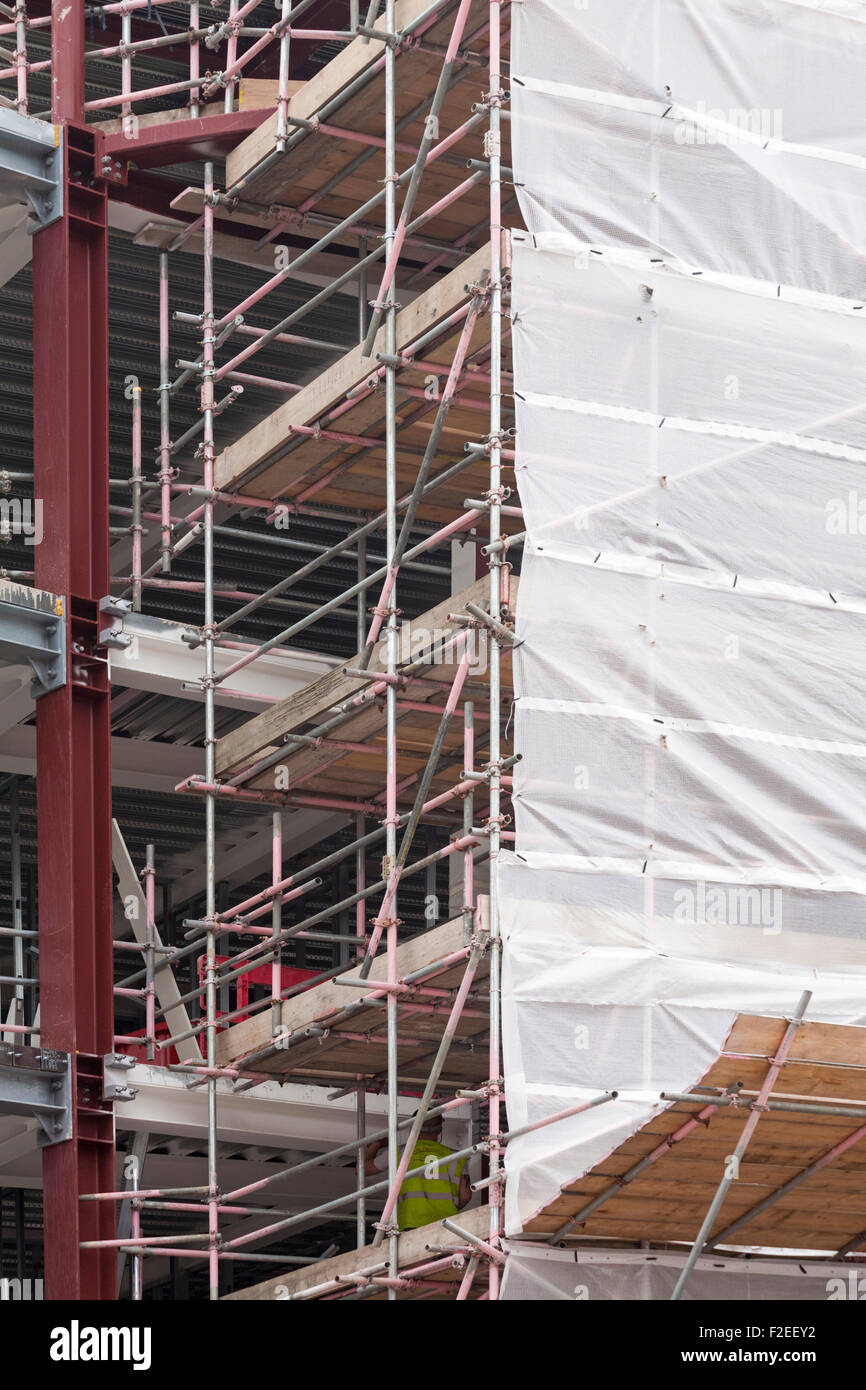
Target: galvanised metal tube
(399, 860)
(17, 903)
(133, 394)
(431, 131)
(337, 1202)
(615, 1187)
(248, 1009)
(742, 1102)
(149, 941)
(137, 1267)
(125, 66)
(468, 813)
(732, 1165)
(21, 55)
(456, 846)
(429, 543)
(195, 72)
(351, 1147)
(360, 922)
(142, 46)
(421, 480)
(349, 170)
(283, 83)
(421, 22)
(277, 910)
(149, 1192)
(360, 1126)
(357, 848)
(207, 406)
(352, 273)
(231, 27)
(389, 314)
(448, 1035)
(247, 330)
(103, 102)
(359, 534)
(165, 468)
(490, 1251)
(837, 1150)
(468, 1279)
(494, 823)
(603, 1099)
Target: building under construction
(431, 540)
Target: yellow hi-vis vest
(426, 1198)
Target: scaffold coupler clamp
(388, 1228)
(480, 938)
(479, 290)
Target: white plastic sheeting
(690, 380)
(727, 133)
(534, 1272)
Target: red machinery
(240, 990)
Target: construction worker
(441, 1190)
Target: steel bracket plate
(33, 630)
(37, 1082)
(115, 1084)
(31, 166)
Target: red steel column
(70, 388)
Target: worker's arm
(464, 1196)
(370, 1153)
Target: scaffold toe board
(361, 1269)
(427, 636)
(344, 101)
(337, 1033)
(279, 454)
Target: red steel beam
(70, 452)
(184, 140)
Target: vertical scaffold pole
(194, 60)
(276, 923)
(283, 83)
(133, 391)
(165, 470)
(17, 1014)
(390, 313)
(150, 941)
(493, 143)
(360, 932)
(231, 55)
(20, 56)
(360, 852)
(207, 406)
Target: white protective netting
(536, 1272)
(690, 380)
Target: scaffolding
(397, 149)
(383, 181)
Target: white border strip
(720, 581)
(566, 243)
(692, 871)
(733, 134)
(802, 443)
(670, 723)
(792, 1266)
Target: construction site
(430, 568)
